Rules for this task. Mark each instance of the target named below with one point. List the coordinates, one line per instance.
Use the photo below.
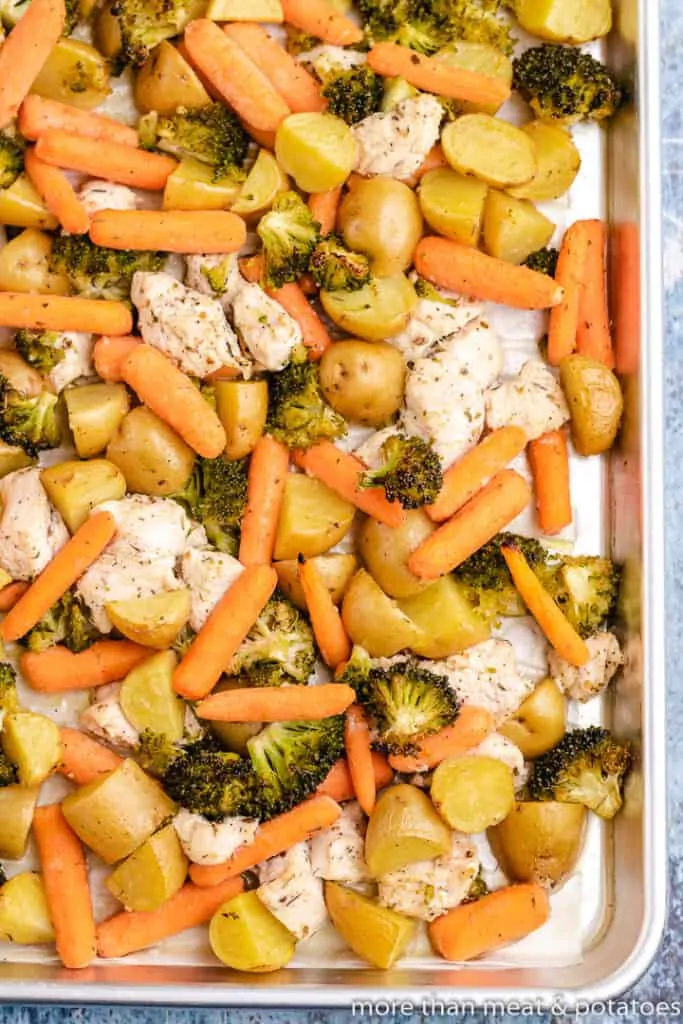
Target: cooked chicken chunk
(209, 575)
(212, 842)
(396, 143)
(429, 888)
(338, 853)
(532, 400)
(486, 676)
(31, 530)
(104, 718)
(590, 679)
(291, 892)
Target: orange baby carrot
(223, 632)
(319, 18)
(460, 268)
(359, 758)
(113, 161)
(273, 837)
(570, 274)
(323, 207)
(234, 75)
(330, 635)
(58, 194)
(470, 728)
(58, 670)
(109, 355)
(338, 783)
(10, 594)
(277, 704)
(593, 338)
(557, 628)
(549, 461)
(265, 490)
(341, 472)
(470, 473)
(67, 566)
(173, 397)
(24, 52)
(476, 523)
(486, 924)
(131, 931)
(83, 759)
(298, 88)
(64, 313)
(184, 231)
(430, 75)
(65, 877)
(38, 115)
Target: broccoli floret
(291, 759)
(404, 700)
(28, 423)
(298, 415)
(279, 647)
(353, 93)
(212, 134)
(335, 268)
(300, 42)
(207, 781)
(9, 701)
(41, 349)
(429, 25)
(67, 622)
(156, 752)
(73, 16)
(98, 272)
(543, 260)
(185, 639)
(487, 582)
(585, 587)
(216, 495)
(410, 474)
(11, 158)
(562, 83)
(289, 235)
(8, 771)
(588, 767)
(477, 890)
(144, 24)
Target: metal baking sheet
(609, 920)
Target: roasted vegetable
(428, 25)
(561, 83)
(411, 473)
(289, 235)
(279, 647)
(211, 782)
(211, 134)
(67, 623)
(543, 260)
(353, 93)
(11, 159)
(336, 268)
(298, 415)
(98, 272)
(30, 423)
(216, 495)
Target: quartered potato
(17, 804)
(374, 621)
(151, 621)
(151, 875)
(24, 916)
(166, 81)
(404, 828)
(22, 207)
(12, 458)
(242, 407)
(191, 186)
(539, 842)
(149, 453)
(445, 618)
(95, 412)
(335, 571)
(75, 487)
(557, 162)
(385, 551)
(31, 742)
(377, 311)
(452, 204)
(74, 73)
(491, 149)
(245, 935)
(565, 21)
(514, 228)
(312, 519)
(264, 181)
(479, 57)
(148, 699)
(381, 217)
(539, 722)
(375, 933)
(472, 793)
(25, 263)
(595, 401)
(363, 380)
(317, 150)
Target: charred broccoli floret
(477, 890)
(586, 587)
(486, 579)
(41, 349)
(543, 260)
(216, 495)
(291, 759)
(429, 25)
(144, 24)
(11, 158)
(67, 623)
(289, 235)
(298, 414)
(410, 474)
(279, 647)
(98, 272)
(353, 93)
(28, 423)
(336, 268)
(155, 752)
(212, 134)
(209, 781)
(405, 700)
(588, 767)
(8, 771)
(562, 83)
(9, 700)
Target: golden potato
(539, 722)
(404, 828)
(491, 149)
(539, 842)
(148, 699)
(151, 621)
(74, 73)
(445, 619)
(242, 407)
(264, 181)
(106, 31)
(482, 58)
(373, 932)
(385, 551)
(24, 916)
(152, 874)
(75, 488)
(234, 736)
(32, 743)
(565, 21)
(95, 412)
(191, 187)
(379, 310)
(595, 401)
(13, 458)
(472, 793)
(374, 621)
(312, 519)
(557, 162)
(166, 81)
(151, 456)
(452, 204)
(17, 804)
(25, 264)
(514, 228)
(381, 217)
(22, 207)
(245, 935)
(269, 11)
(21, 376)
(317, 150)
(335, 571)
(363, 380)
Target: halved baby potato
(95, 412)
(12, 457)
(514, 228)
(446, 621)
(491, 149)
(375, 933)
(242, 407)
(385, 551)
(539, 722)
(377, 311)
(32, 743)
(557, 162)
(269, 11)
(374, 621)
(452, 204)
(22, 207)
(166, 81)
(335, 571)
(404, 828)
(191, 186)
(565, 21)
(264, 181)
(151, 621)
(75, 73)
(17, 804)
(75, 487)
(539, 841)
(481, 58)
(312, 519)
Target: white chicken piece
(76, 359)
(104, 718)
(486, 676)
(265, 329)
(532, 400)
(149, 526)
(477, 349)
(214, 274)
(338, 852)
(184, 324)
(502, 749)
(396, 143)
(292, 893)
(582, 683)
(212, 842)
(31, 530)
(431, 322)
(209, 574)
(99, 195)
(428, 888)
(369, 451)
(328, 60)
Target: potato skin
(363, 380)
(595, 401)
(166, 81)
(381, 217)
(374, 621)
(539, 722)
(385, 551)
(151, 456)
(539, 842)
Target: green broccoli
(11, 158)
(98, 272)
(487, 582)
(73, 16)
(291, 759)
(477, 890)
(410, 474)
(41, 349)
(67, 623)
(543, 260)
(426, 290)
(216, 495)
(211, 782)
(28, 423)
(562, 83)
(298, 415)
(588, 767)
(405, 700)
(586, 587)
(156, 753)
(353, 93)
(279, 647)
(300, 42)
(185, 639)
(289, 235)
(143, 24)
(336, 268)
(8, 771)
(212, 134)
(9, 701)
(429, 25)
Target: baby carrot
(68, 565)
(298, 88)
(570, 274)
(24, 52)
(279, 704)
(65, 877)
(38, 115)
(338, 783)
(486, 924)
(109, 355)
(293, 300)
(341, 472)
(430, 75)
(549, 461)
(58, 670)
(58, 194)
(470, 728)
(319, 18)
(323, 207)
(64, 313)
(330, 635)
(83, 759)
(113, 161)
(223, 632)
(10, 594)
(593, 338)
(184, 231)
(359, 758)
(265, 490)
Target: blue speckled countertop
(663, 982)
